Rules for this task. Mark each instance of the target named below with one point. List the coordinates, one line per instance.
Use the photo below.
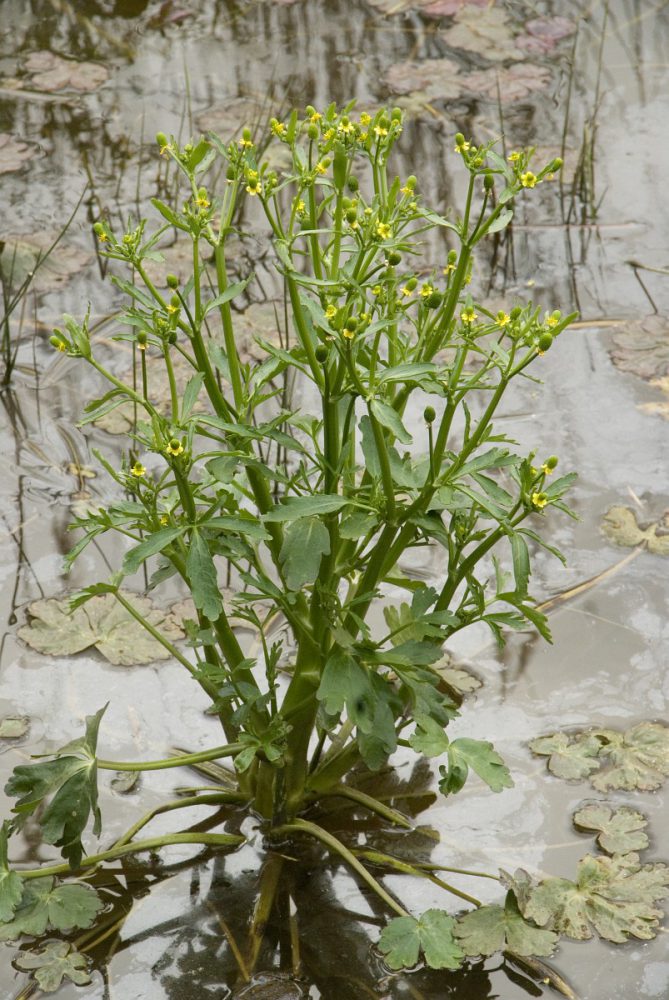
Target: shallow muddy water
(589, 79)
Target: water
(185, 67)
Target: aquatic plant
(312, 499)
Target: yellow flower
(449, 268)
(316, 117)
(349, 334)
(164, 519)
(346, 127)
(327, 135)
(426, 290)
(468, 315)
(380, 131)
(202, 201)
(365, 119)
(539, 500)
(546, 469)
(254, 187)
(514, 156)
(245, 143)
(331, 311)
(502, 318)
(383, 230)
(406, 292)
(300, 207)
(102, 236)
(138, 470)
(278, 128)
(174, 447)
(377, 289)
(171, 310)
(552, 319)
(528, 179)
(462, 147)
(320, 168)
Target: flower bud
(230, 173)
(396, 114)
(172, 281)
(352, 324)
(429, 414)
(246, 134)
(321, 353)
(411, 283)
(394, 257)
(434, 300)
(175, 301)
(551, 462)
(459, 139)
(99, 229)
(452, 256)
(351, 215)
(310, 110)
(172, 337)
(488, 182)
(515, 313)
(142, 338)
(161, 139)
(313, 132)
(545, 342)
(352, 184)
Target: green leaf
(407, 373)
(345, 683)
(151, 545)
(230, 292)
(378, 741)
(481, 757)
(357, 523)
(47, 905)
(501, 222)
(295, 507)
(568, 758)
(521, 562)
(57, 961)
(191, 392)
(638, 758)
(619, 830)
(11, 884)
(429, 738)
(202, 577)
(390, 419)
(72, 781)
(613, 896)
(498, 928)
(403, 939)
(305, 542)
(172, 217)
(101, 622)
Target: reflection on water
(595, 93)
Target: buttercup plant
(315, 535)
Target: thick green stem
(152, 844)
(215, 753)
(215, 798)
(304, 826)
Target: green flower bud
(488, 182)
(351, 215)
(99, 229)
(246, 134)
(429, 414)
(321, 353)
(434, 300)
(556, 164)
(313, 131)
(172, 281)
(411, 283)
(175, 301)
(515, 313)
(142, 338)
(352, 184)
(310, 110)
(452, 256)
(172, 337)
(230, 173)
(396, 114)
(551, 462)
(394, 257)
(478, 161)
(352, 324)
(411, 182)
(161, 139)
(545, 342)
(459, 139)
